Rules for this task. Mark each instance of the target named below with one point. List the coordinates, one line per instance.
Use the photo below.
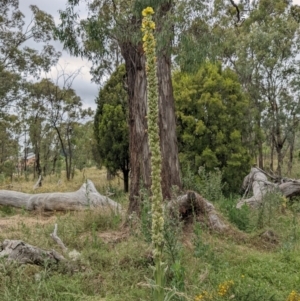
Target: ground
(116, 253)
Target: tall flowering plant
(149, 46)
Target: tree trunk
(291, 155)
(279, 159)
(260, 147)
(137, 91)
(38, 167)
(272, 155)
(126, 180)
(68, 173)
(192, 205)
(167, 125)
(138, 144)
(53, 164)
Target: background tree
(16, 59)
(34, 114)
(211, 109)
(263, 51)
(84, 144)
(9, 146)
(60, 109)
(111, 126)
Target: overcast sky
(87, 90)
(84, 87)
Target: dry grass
(53, 183)
(115, 259)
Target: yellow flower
(152, 25)
(205, 296)
(293, 296)
(224, 287)
(284, 202)
(147, 11)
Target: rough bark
(167, 125)
(86, 197)
(291, 154)
(193, 205)
(271, 155)
(138, 146)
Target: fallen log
(86, 197)
(290, 188)
(257, 181)
(193, 205)
(23, 253)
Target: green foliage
(9, 144)
(84, 142)
(8, 168)
(211, 110)
(263, 50)
(7, 210)
(111, 124)
(207, 183)
(97, 221)
(17, 61)
(210, 184)
(114, 264)
(201, 248)
(268, 209)
(53, 115)
(239, 217)
(146, 216)
(173, 251)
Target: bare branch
(57, 239)
(238, 16)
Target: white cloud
(82, 84)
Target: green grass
(115, 262)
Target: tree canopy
(211, 125)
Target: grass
(116, 259)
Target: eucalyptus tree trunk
(138, 146)
(279, 142)
(272, 154)
(38, 166)
(167, 126)
(291, 157)
(291, 153)
(260, 145)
